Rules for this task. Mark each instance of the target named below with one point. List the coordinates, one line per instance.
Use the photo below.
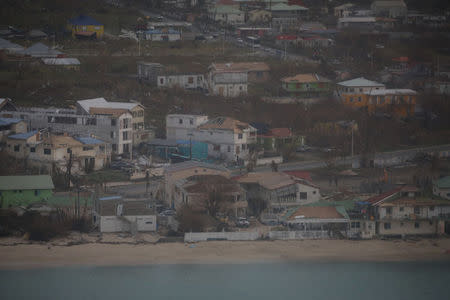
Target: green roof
(29, 182)
(443, 183)
(340, 208)
(285, 7)
(226, 9)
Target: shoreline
(35, 256)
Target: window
(360, 90)
(417, 210)
(402, 208)
(16, 148)
(359, 99)
(180, 121)
(401, 223)
(416, 225)
(431, 208)
(69, 150)
(33, 149)
(303, 195)
(243, 146)
(388, 210)
(351, 99)
(191, 122)
(355, 224)
(113, 122)
(112, 134)
(125, 135)
(86, 148)
(114, 147)
(228, 148)
(216, 147)
(314, 192)
(240, 88)
(47, 151)
(37, 192)
(190, 80)
(387, 226)
(240, 136)
(161, 81)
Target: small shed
(120, 215)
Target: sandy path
(29, 256)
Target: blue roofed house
(41, 148)
(11, 126)
(85, 26)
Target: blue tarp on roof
(22, 136)
(84, 20)
(157, 31)
(8, 121)
(89, 140)
(110, 198)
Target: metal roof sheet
(8, 121)
(89, 140)
(28, 182)
(22, 136)
(102, 103)
(61, 61)
(360, 82)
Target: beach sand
(25, 256)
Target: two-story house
(404, 211)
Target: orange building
(398, 102)
(364, 93)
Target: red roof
(278, 132)
(300, 174)
(381, 197)
(287, 37)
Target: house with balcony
(276, 192)
(405, 211)
(307, 85)
(102, 107)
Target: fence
(299, 235)
(229, 236)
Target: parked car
(167, 213)
(242, 222)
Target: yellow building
(362, 93)
(85, 26)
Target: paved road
(381, 158)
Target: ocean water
(349, 281)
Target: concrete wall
(299, 235)
(190, 237)
(179, 126)
(116, 224)
(398, 227)
(269, 160)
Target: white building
(228, 80)
(391, 9)
(113, 129)
(185, 81)
(357, 86)
(117, 215)
(227, 138)
(99, 106)
(227, 14)
(182, 127)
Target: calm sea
(430, 280)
